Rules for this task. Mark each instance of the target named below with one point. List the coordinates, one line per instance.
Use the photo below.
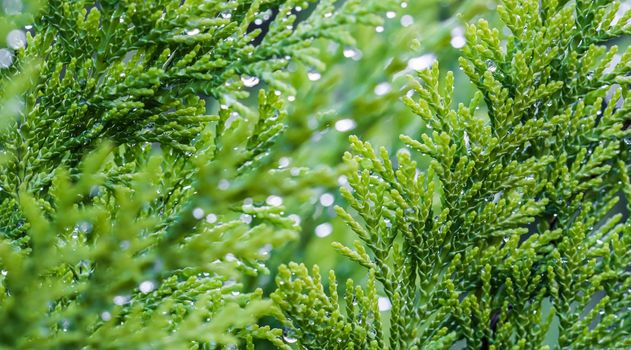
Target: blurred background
(358, 94)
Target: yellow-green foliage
(126, 211)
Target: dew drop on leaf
(6, 58)
(490, 65)
(250, 81)
(382, 89)
(211, 218)
(198, 213)
(274, 201)
(327, 199)
(407, 20)
(384, 304)
(421, 62)
(16, 39)
(323, 230)
(106, 316)
(246, 218)
(146, 287)
(288, 336)
(350, 52)
(314, 76)
(344, 125)
(192, 32)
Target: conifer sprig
(511, 233)
(130, 211)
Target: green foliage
(130, 209)
(146, 175)
(513, 231)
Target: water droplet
(327, 199)
(231, 118)
(6, 58)
(458, 42)
(344, 125)
(198, 213)
(283, 162)
(352, 53)
(250, 81)
(323, 230)
(211, 218)
(16, 39)
(120, 300)
(192, 32)
(422, 62)
(314, 76)
(407, 20)
(124, 245)
(146, 287)
(223, 184)
(274, 201)
(465, 137)
(295, 218)
(288, 336)
(490, 65)
(382, 89)
(64, 325)
(267, 14)
(384, 304)
(265, 250)
(246, 218)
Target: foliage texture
(128, 147)
(516, 229)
